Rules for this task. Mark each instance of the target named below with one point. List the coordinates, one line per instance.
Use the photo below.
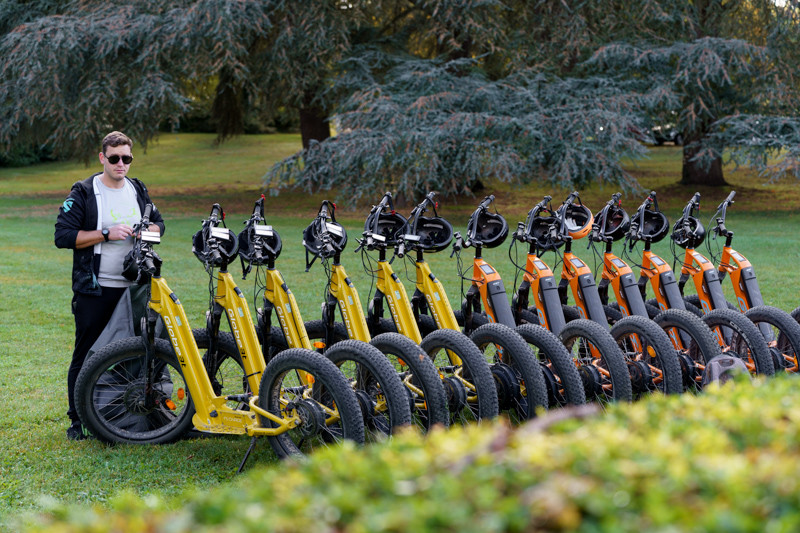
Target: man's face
(115, 171)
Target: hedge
(726, 460)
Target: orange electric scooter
(599, 360)
(780, 330)
(652, 361)
(691, 338)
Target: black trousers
(91, 317)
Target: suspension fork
(492, 292)
(430, 296)
(148, 339)
(743, 278)
(662, 278)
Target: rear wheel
(563, 382)
(736, 334)
(325, 407)
(694, 300)
(384, 403)
(224, 365)
(518, 376)
(466, 376)
(782, 333)
(601, 364)
(478, 319)
(316, 334)
(121, 398)
(652, 360)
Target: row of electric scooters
(304, 384)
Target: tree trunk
(227, 110)
(696, 173)
(313, 125)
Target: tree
(562, 92)
(72, 70)
(439, 103)
(722, 71)
(70, 76)
(424, 93)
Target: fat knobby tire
(610, 354)
(475, 369)
(517, 354)
(106, 368)
(553, 354)
(749, 338)
(787, 343)
(327, 377)
(665, 354)
(379, 378)
(421, 374)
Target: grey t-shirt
(118, 207)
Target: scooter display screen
(577, 263)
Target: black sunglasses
(114, 159)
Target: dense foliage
(724, 460)
(422, 93)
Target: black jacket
(79, 212)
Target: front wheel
(782, 333)
(518, 376)
(736, 334)
(304, 386)
(600, 361)
(563, 382)
(122, 397)
(465, 374)
(420, 378)
(383, 399)
(693, 340)
(652, 360)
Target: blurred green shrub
(727, 460)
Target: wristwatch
(105, 234)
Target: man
(96, 221)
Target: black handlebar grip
(148, 210)
(543, 203)
(149, 265)
(486, 202)
(216, 213)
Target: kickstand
(247, 454)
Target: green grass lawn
(185, 174)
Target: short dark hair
(116, 138)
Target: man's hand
(119, 232)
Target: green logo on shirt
(67, 205)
